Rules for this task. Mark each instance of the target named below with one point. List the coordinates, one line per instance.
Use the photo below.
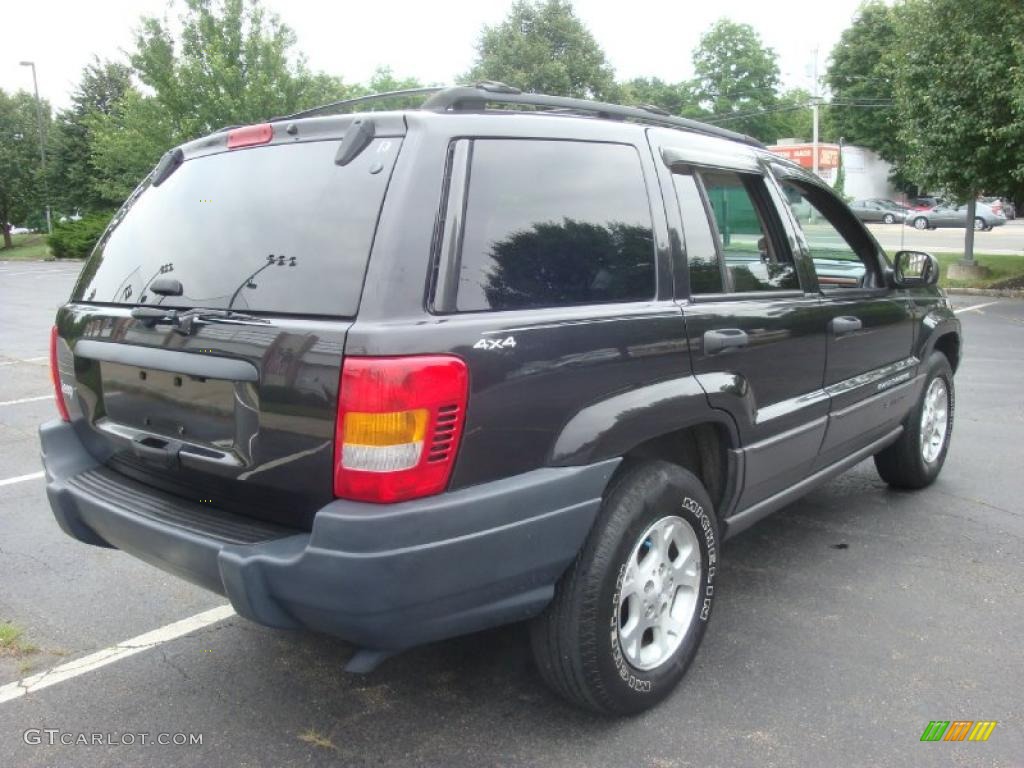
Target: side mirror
(914, 269)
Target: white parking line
(20, 479)
(113, 653)
(971, 309)
(26, 400)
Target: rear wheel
(629, 615)
(979, 223)
(889, 219)
(920, 223)
(916, 458)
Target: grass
(1006, 271)
(32, 247)
(317, 739)
(11, 642)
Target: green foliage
(70, 166)
(793, 118)
(76, 239)
(861, 75)
(544, 48)
(958, 86)
(839, 186)
(737, 77)
(674, 98)
(126, 144)
(384, 81)
(230, 65)
(21, 179)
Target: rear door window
(278, 229)
(753, 258)
(554, 223)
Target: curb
(999, 293)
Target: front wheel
(629, 615)
(916, 458)
(920, 223)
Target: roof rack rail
(312, 112)
(473, 98)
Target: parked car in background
(884, 201)
(1001, 205)
(21, 231)
(925, 203)
(874, 210)
(956, 216)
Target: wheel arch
(671, 421)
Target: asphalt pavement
(844, 624)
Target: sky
(433, 41)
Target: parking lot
(844, 623)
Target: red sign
(803, 155)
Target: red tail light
(250, 135)
(398, 428)
(62, 407)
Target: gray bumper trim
(384, 577)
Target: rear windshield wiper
(184, 322)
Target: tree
(231, 65)
(383, 80)
(958, 80)
(674, 98)
(544, 48)
(861, 78)
(792, 118)
(839, 186)
(20, 173)
(737, 78)
(71, 171)
(126, 143)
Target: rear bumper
(382, 577)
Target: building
(867, 175)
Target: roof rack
(475, 98)
(359, 100)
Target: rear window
(272, 229)
(555, 223)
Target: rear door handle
(724, 338)
(844, 325)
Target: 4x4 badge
(509, 342)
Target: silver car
(956, 216)
(874, 210)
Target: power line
(715, 119)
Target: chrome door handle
(724, 338)
(844, 325)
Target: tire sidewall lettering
(692, 511)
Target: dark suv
(399, 376)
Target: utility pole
(815, 102)
(42, 143)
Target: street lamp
(42, 142)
